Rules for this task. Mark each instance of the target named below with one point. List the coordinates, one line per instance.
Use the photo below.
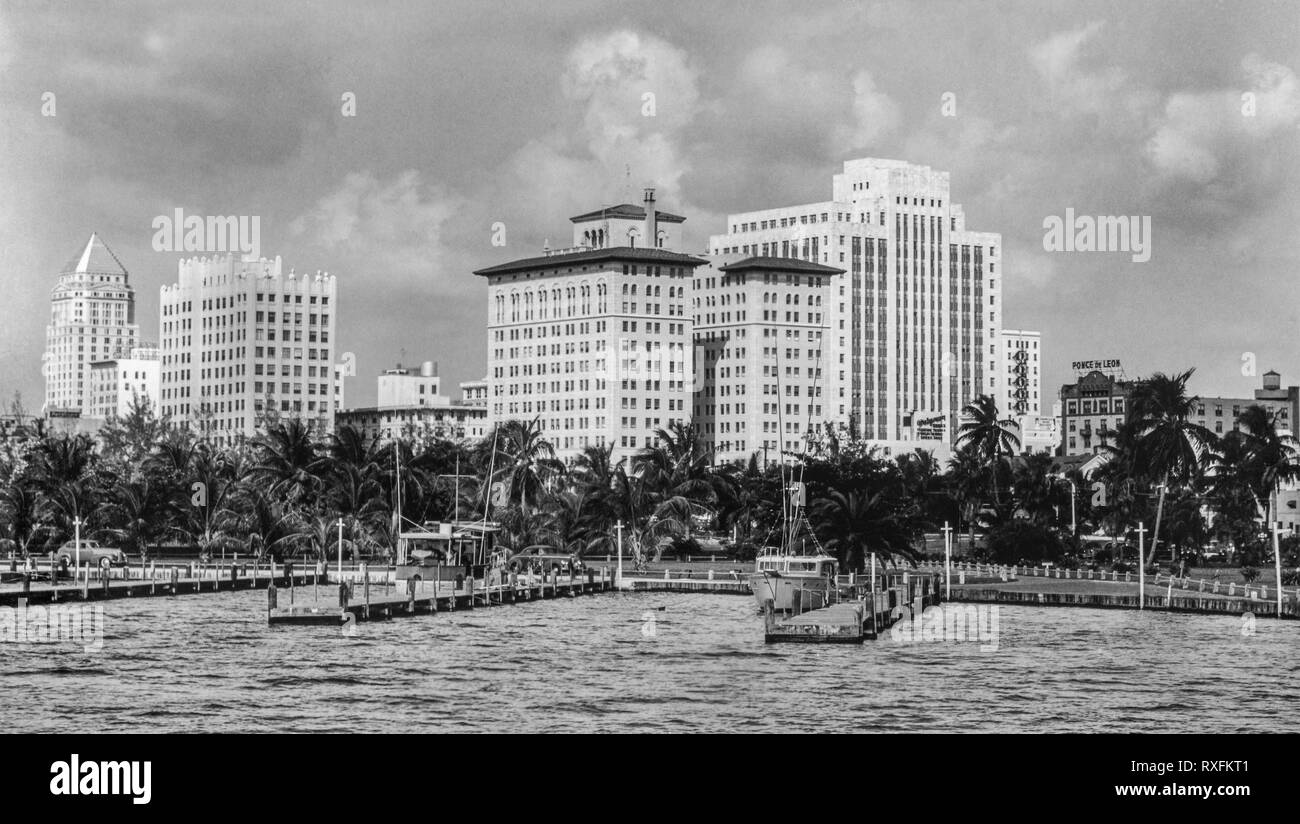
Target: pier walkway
(857, 612)
(355, 602)
(34, 585)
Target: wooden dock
(93, 585)
(356, 603)
(857, 613)
(727, 585)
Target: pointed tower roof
(95, 259)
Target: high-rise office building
(913, 322)
(594, 341)
(760, 325)
(92, 318)
(243, 344)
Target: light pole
(618, 576)
(1074, 522)
(1142, 567)
(1277, 556)
(947, 562)
(76, 526)
(1074, 493)
(340, 549)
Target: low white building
(410, 405)
(117, 382)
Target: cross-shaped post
(340, 549)
(1142, 565)
(76, 526)
(618, 578)
(947, 561)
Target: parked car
(547, 558)
(91, 553)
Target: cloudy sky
(470, 113)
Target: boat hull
(790, 593)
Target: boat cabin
(819, 565)
(446, 549)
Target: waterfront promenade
(1042, 586)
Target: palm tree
(173, 454)
(289, 462)
(566, 522)
(919, 475)
(1169, 444)
(139, 512)
(272, 530)
(62, 460)
(989, 437)
(678, 466)
(212, 521)
(856, 523)
(68, 502)
(1232, 488)
(1272, 459)
(20, 513)
(965, 482)
(526, 462)
(1037, 497)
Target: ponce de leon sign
(1089, 365)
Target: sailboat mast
(780, 433)
(808, 429)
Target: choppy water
(210, 663)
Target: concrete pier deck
(424, 598)
(857, 614)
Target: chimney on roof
(651, 220)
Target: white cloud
(1078, 89)
(383, 229)
(1201, 132)
(874, 114)
(609, 77)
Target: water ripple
(616, 663)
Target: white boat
(793, 583)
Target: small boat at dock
(793, 583)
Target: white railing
(1254, 591)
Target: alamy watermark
(127, 778)
(214, 233)
(952, 624)
(81, 624)
(1103, 233)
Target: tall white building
(760, 327)
(243, 344)
(913, 322)
(594, 341)
(92, 318)
(116, 384)
(1020, 384)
